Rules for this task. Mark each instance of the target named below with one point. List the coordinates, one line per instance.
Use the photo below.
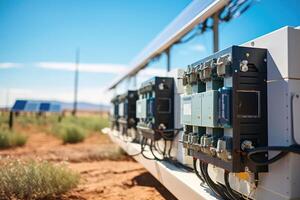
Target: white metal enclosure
(282, 182)
(283, 179)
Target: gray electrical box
(197, 109)
(141, 108)
(209, 108)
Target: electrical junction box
(127, 111)
(115, 113)
(141, 108)
(228, 91)
(178, 151)
(281, 182)
(197, 115)
(209, 103)
(157, 95)
(200, 109)
(283, 84)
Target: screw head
(244, 66)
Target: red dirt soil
(102, 176)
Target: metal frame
(195, 13)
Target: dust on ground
(105, 173)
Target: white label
(187, 109)
(121, 109)
(139, 107)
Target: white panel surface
(283, 179)
(283, 52)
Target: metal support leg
(216, 32)
(134, 82)
(168, 59)
(11, 120)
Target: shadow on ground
(147, 180)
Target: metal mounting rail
(195, 13)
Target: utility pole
(76, 81)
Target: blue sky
(39, 38)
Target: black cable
(157, 147)
(155, 157)
(168, 134)
(143, 144)
(165, 148)
(196, 170)
(214, 190)
(170, 149)
(234, 195)
(283, 152)
(201, 165)
(169, 158)
(217, 189)
(224, 190)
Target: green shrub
(73, 134)
(3, 118)
(35, 180)
(26, 119)
(90, 123)
(69, 133)
(11, 139)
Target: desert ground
(106, 172)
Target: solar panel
(36, 106)
(19, 105)
(44, 107)
(55, 108)
(32, 106)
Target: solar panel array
(19, 105)
(36, 106)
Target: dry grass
(69, 132)
(10, 138)
(35, 180)
(76, 129)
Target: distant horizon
(70, 103)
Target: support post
(76, 82)
(11, 120)
(134, 81)
(216, 31)
(168, 59)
